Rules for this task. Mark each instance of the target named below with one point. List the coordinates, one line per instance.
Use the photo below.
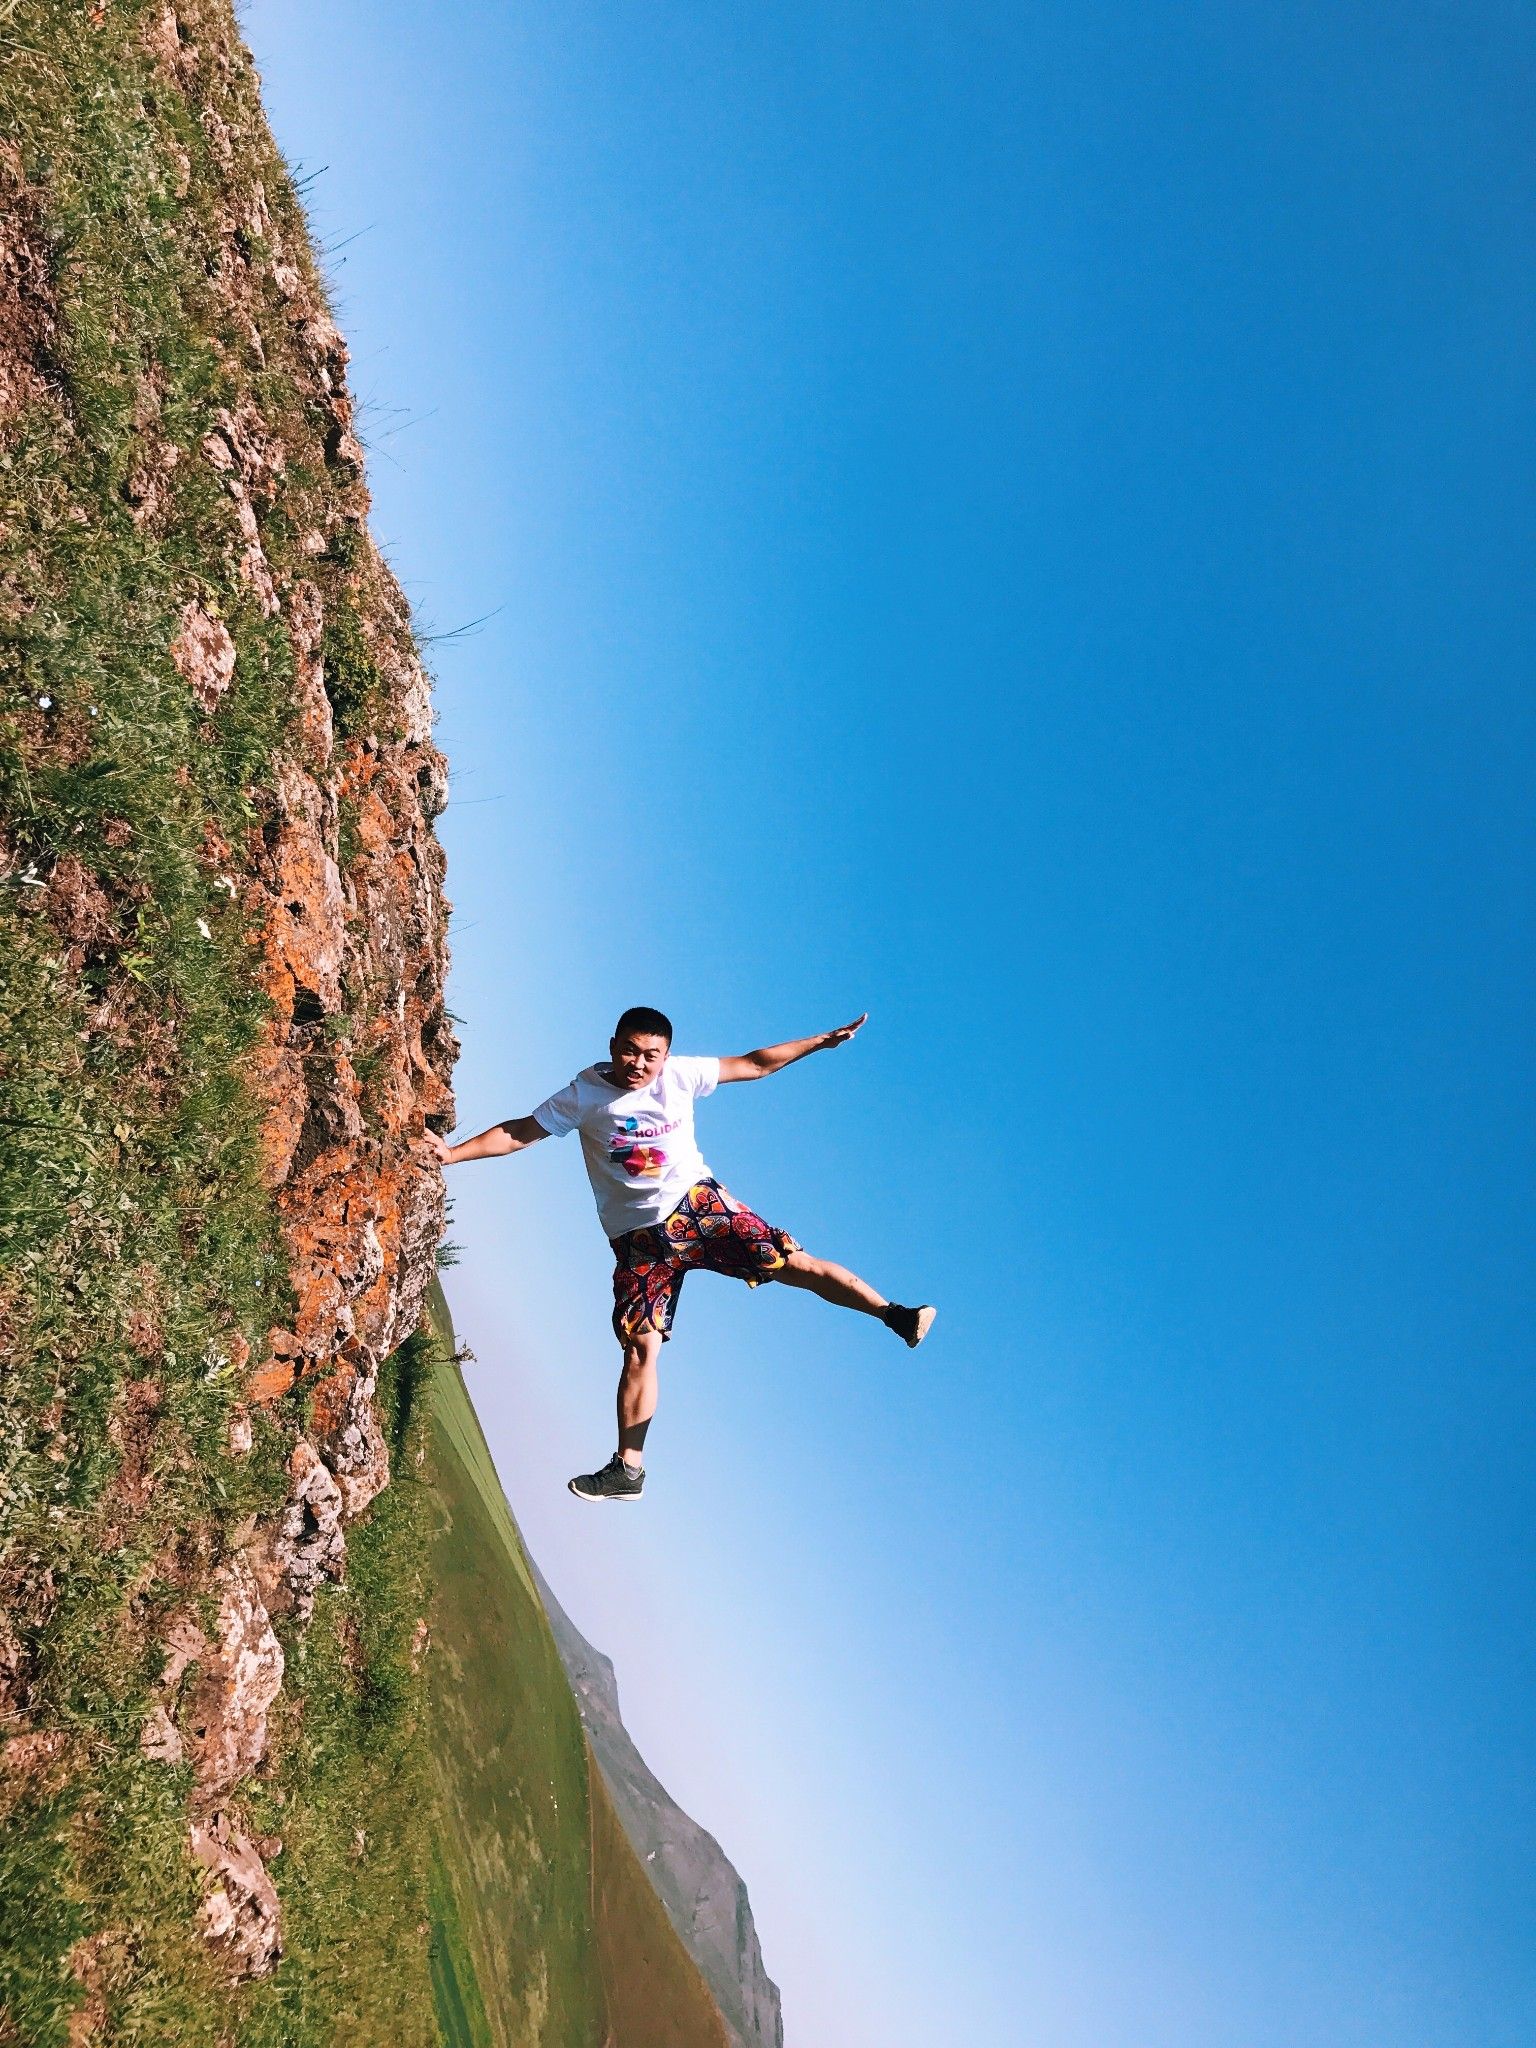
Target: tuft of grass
(352, 678)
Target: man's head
(641, 1040)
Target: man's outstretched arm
(515, 1135)
(756, 1066)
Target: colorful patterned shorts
(709, 1228)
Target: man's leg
(832, 1282)
(623, 1477)
(638, 1388)
(836, 1284)
(646, 1283)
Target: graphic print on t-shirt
(630, 1147)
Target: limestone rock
(225, 1719)
(204, 655)
(241, 1916)
(307, 1545)
(160, 1738)
(305, 615)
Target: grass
(510, 1761)
(139, 1247)
(547, 1928)
(140, 1253)
(461, 2016)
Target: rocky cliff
(223, 953)
(249, 1533)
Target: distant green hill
(545, 1928)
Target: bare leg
(832, 1282)
(638, 1389)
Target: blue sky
(1021, 521)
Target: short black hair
(644, 1019)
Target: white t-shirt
(641, 1154)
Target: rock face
(241, 1915)
(705, 1899)
(227, 887)
(342, 892)
(237, 1684)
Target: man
(664, 1211)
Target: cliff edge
(231, 1806)
(223, 955)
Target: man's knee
(798, 1266)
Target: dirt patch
(134, 1425)
(28, 305)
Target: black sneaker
(910, 1324)
(616, 1481)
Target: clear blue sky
(1019, 520)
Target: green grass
(542, 1912)
(137, 1244)
(140, 1252)
(510, 1759)
(461, 2014)
(139, 1248)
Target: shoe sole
(597, 1498)
(925, 1321)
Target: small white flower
(45, 703)
(94, 712)
(202, 925)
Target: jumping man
(663, 1210)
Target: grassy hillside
(243, 1802)
(651, 1980)
(510, 1766)
(180, 509)
(546, 1927)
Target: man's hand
(515, 1135)
(768, 1059)
(843, 1033)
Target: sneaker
(910, 1324)
(616, 1481)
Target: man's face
(637, 1057)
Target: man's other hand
(844, 1032)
